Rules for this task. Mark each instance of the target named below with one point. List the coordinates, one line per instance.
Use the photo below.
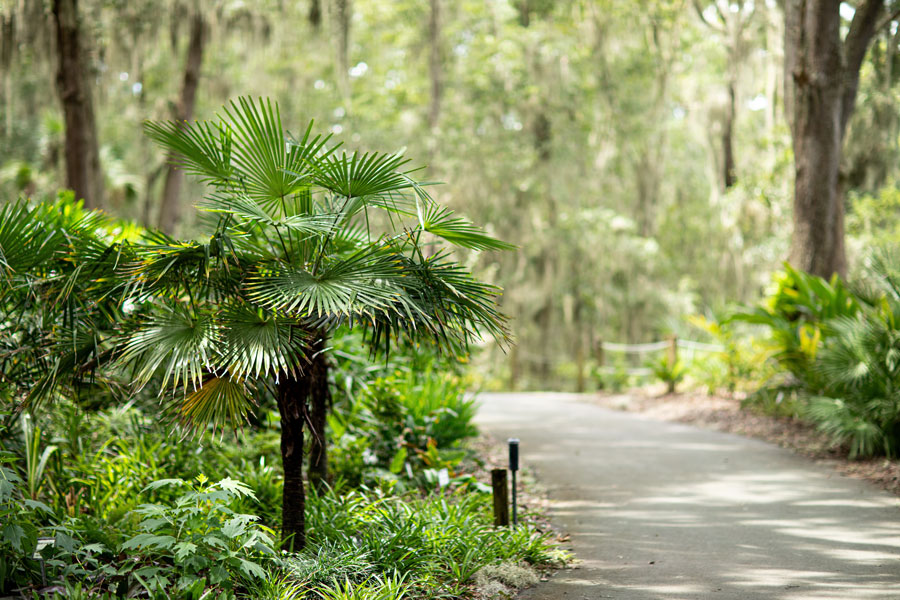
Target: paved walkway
(666, 511)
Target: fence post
(579, 364)
(598, 356)
(673, 351)
(501, 497)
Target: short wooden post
(599, 357)
(501, 497)
(673, 351)
(579, 363)
(672, 359)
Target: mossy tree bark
(84, 174)
(821, 82)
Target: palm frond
(271, 167)
(440, 221)
(260, 343)
(201, 148)
(362, 281)
(359, 175)
(180, 346)
(219, 401)
(247, 210)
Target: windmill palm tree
(304, 239)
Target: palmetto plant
(304, 239)
(58, 316)
(860, 368)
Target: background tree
(73, 82)
(821, 83)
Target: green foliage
(742, 364)
(18, 532)
(415, 415)
(669, 372)
(439, 542)
(796, 313)
(198, 540)
(843, 350)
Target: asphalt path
(659, 510)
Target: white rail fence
(673, 346)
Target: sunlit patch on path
(664, 511)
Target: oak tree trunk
(821, 81)
(170, 209)
(291, 407)
(83, 172)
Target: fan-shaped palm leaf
(358, 175)
(181, 345)
(220, 401)
(360, 282)
(259, 343)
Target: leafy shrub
(796, 313)
(860, 404)
(741, 364)
(668, 372)
(438, 541)
(197, 540)
(416, 417)
(843, 350)
(18, 532)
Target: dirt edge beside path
(725, 414)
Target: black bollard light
(513, 467)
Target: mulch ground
(725, 414)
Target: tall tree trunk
(170, 209)
(344, 10)
(292, 408)
(83, 172)
(315, 13)
(434, 64)
(315, 378)
(821, 81)
(729, 171)
(8, 41)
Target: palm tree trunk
(291, 406)
(316, 377)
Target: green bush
(416, 416)
(198, 540)
(18, 531)
(796, 314)
(843, 350)
(668, 372)
(439, 542)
